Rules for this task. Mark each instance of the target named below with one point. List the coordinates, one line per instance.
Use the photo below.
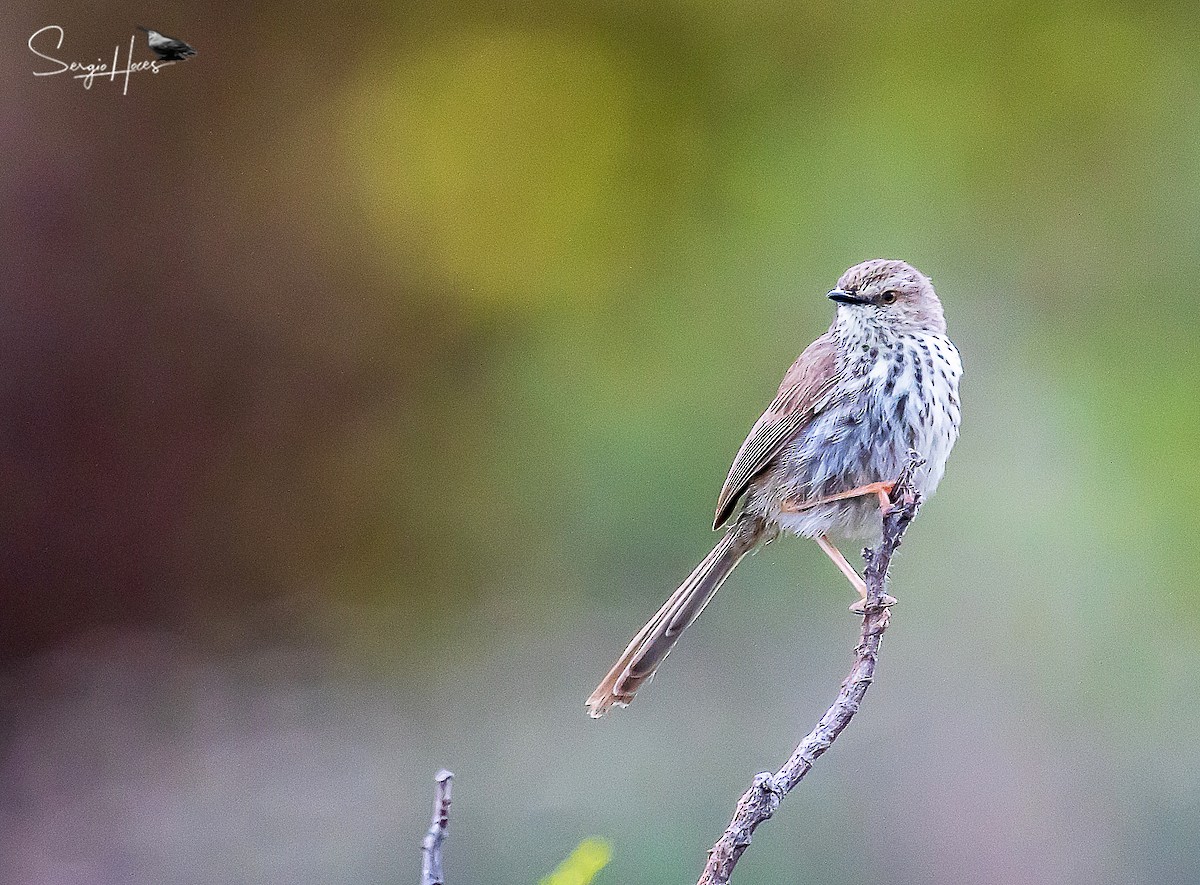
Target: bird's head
(888, 296)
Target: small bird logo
(167, 48)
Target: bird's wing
(802, 394)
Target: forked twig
(760, 802)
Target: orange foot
(885, 601)
(856, 581)
(882, 490)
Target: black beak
(846, 297)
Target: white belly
(896, 401)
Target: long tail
(654, 641)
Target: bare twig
(762, 799)
(431, 845)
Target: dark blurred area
(370, 377)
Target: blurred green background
(370, 378)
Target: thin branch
(760, 802)
(431, 845)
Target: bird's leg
(852, 576)
(881, 490)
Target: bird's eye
(888, 297)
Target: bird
(167, 48)
(879, 385)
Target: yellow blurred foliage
(508, 154)
(584, 863)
